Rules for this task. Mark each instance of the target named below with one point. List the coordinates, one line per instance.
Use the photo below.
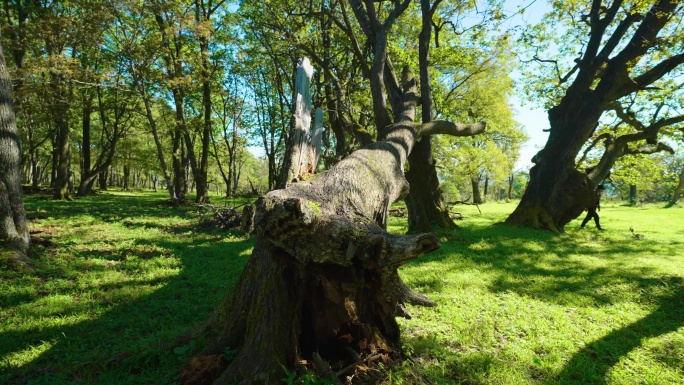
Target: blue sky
(534, 120)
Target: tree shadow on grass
(593, 362)
(551, 268)
(568, 271)
(106, 206)
(136, 323)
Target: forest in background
(183, 94)
(103, 88)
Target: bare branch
(661, 69)
(645, 36)
(605, 136)
(450, 128)
(618, 34)
(627, 116)
(362, 17)
(649, 149)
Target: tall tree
(425, 202)
(627, 50)
(231, 117)
(114, 111)
(678, 190)
(136, 48)
(172, 26)
(14, 232)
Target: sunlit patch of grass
(518, 306)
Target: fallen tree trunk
(322, 278)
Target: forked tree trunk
(14, 232)
(557, 192)
(323, 277)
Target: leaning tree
(627, 52)
(322, 282)
(14, 232)
(322, 278)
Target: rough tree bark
(14, 232)
(323, 274)
(557, 192)
(296, 163)
(425, 203)
(323, 277)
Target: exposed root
(15, 260)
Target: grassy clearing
(120, 278)
(522, 307)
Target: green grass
(120, 278)
(517, 306)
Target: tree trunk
(108, 148)
(202, 173)
(102, 179)
(157, 142)
(35, 173)
(85, 152)
(475, 184)
(55, 159)
(510, 185)
(425, 202)
(486, 186)
(296, 161)
(177, 164)
(632, 195)
(60, 113)
(557, 192)
(340, 291)
(126, 172)
(14, 232)
(678, 190)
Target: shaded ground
(120, 279)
